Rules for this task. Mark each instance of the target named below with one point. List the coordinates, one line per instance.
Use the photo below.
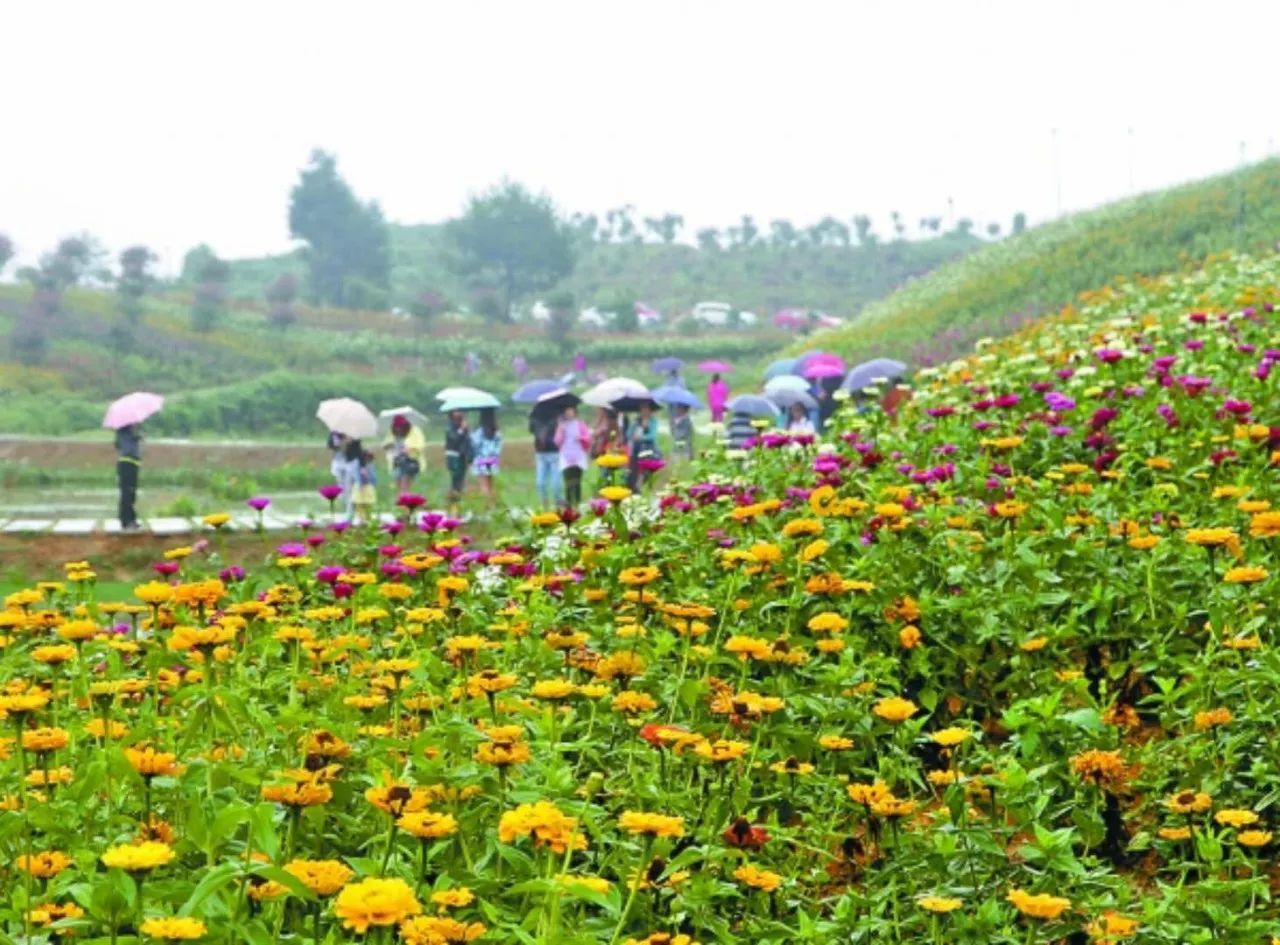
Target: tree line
(507, 245)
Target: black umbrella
(554, 402)
(632, 404)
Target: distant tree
(194, 261)
(1019, 223)
(747, 230)
(993, 230)
(348, 249)
(899, 228)
(782, 233)
(830, 232)
(563, 316)
(209, 304)
(486, 304)
(666, 227)
(6, 251)
(621, 222)
(587, 225)
(281, 293)
(964, 226)
(134, 280)
(708, 239)
(514, 240)
(426, 305)
(75, 258)
(622, 305)
(862, 227)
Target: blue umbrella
(673, 395)
(469, 400)
(779, 368)
(786, 382)
(786, 396)
(530, 391)
(753, 405)
(868, 372)
(666, 365)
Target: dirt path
(60, 453)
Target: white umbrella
(786, 382)
(461, 393)
(349, 417)
(615, 388)
(385, 418)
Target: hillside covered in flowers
(1001, 670)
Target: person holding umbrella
(128, 465)
(572, 439)
(125, 416)
(487, 450)
(546, 456)
(798, 419)
(406, 452)
(458, 453)
(682, 431)
(642, 443)
(717, 397)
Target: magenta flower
(1108, 355)
(231, 574)
(330, 573)
(258, 503)
(292, 549)
(330, 491)
(411, 501)
(166, 568)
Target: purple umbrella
(530, 391)
(715, 367)
(816, 370)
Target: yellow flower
(43, 740)
(595, 884)
(1232, 817)
(43, 865)
(177, 554)
(150, 763)
(615, 493)
(454, 898)
(1144, 542)
(942, 904)
(1253, 838)
(1264, 524)
(426, 825)
(909, 637)
(439, 930)
(173, 929)
(545, 823)
(791, 766)
(298, 794)
(655, 825)
(552, 689)
(868, 794)
(835, 742)
(1010, 508)
(1212, 718)
(78, 630)
(138, 857)
(1174, 833)
(1188, 802)
(376, 902)
(544, 519)
(631, 702)
(322, 877)
(1210, 537)
(54, 654)
(1245, 575)
(950, 737)
(802, 527)
(1038, 905)
(216, 519)
(1111, 926)
(639, 576)
(721, 750)
(895, 709)
(757, 878)
(611, 461)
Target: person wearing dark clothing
(458, 453)
(740, 430)
(128, 465)
(642, 441)
(546, 456)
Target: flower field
(1001, 671)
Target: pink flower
(330, 491)
(258, 503)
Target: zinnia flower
(376, 902)
(1038, 905)
(138, 857)
(895, 709)
(173, 929)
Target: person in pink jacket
(572, 439)
(717, 397)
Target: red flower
(652, 733)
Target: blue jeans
(548, 469)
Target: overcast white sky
(172, 123)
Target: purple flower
(1170, 416)
(258, 503)
(339, 527)
(1193, 344)
(330, 491)
(393, 528)
(1059, 402)
(231, 574)
(292, 549)
(944, 411)
(1005, 401)
(330, 573)
(1108, 355)
(1102, 416)
(1060, 430)
(315, 539)
(1237, 407)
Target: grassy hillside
(761, 277)
(1005, 284)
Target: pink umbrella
(131, 408)
(818, 369)
(715, 367)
